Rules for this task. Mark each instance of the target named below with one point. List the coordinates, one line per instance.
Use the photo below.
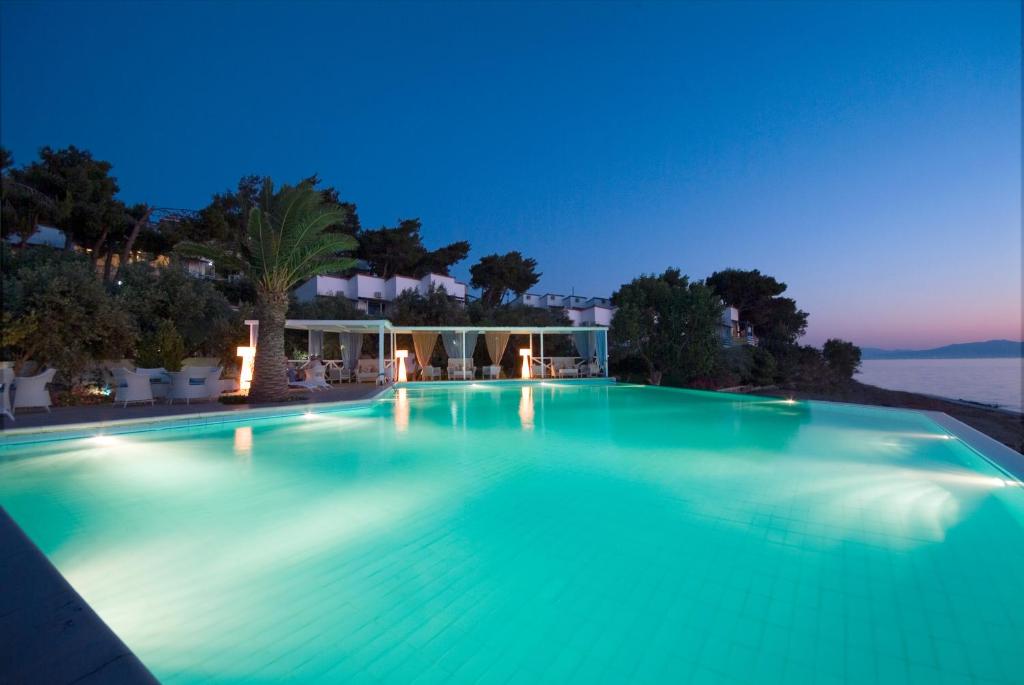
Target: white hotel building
(373, 295)
(582, 311)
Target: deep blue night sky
(868, 153)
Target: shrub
(161, 348)
(57, 313)
(197, 311)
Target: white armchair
(30, 391)
(461, 369)
(160, 381)
(6, 380)
(367, 371)
(189, 384)
(213, 383)
(430, 373)
(492, 372)
(132, 387)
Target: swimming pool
(504, 533)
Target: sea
(989, 381)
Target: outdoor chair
(30, 391)
(492, 372)
(213, 383)
(160, 382)
(316, 378)
(6, 380)
(189, 384)
(367, 371)
(131, 386)
(430, 373)
(461, 370)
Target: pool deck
(49, 634)
(62, 418)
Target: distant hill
(971, 350)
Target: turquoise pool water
(542, 534)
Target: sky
(867, 154)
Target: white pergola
(386, 333)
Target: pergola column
(380, 354)
(543, 366)
(604, 362)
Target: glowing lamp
(248, 355)
(400, 355)
(525, 354)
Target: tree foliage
(669, 323)
(496, 275)
(196, 309)
(436, 308)
(82, 191)
(58, 314)
(776, 320)
(399, 250)
(842, 357)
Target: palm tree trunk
(269, 376)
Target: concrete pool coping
(48, 632)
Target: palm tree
(285, 242)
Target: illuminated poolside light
(400, 355)
(104, 440)
(525, 354)
(248, 355)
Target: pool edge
(52, 634)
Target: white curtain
(351, 346)
(496, 344)
(586, 344)
(453, 344)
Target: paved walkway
(97, 413)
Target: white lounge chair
(131, 386)
(30, 391)
(492, 372)
(430, 373)
(6, 380)
(189, 384)
(461, 370)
